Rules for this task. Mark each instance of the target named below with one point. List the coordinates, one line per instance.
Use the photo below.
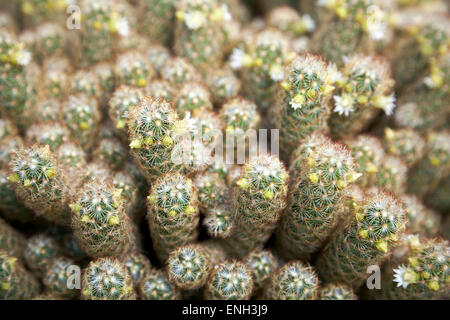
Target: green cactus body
(112, 152)
(100, 222)
(212, 191)
(406, 144)
(172, 213)
(315, 198)
(208, 125)
(199, 32)
(73, 159)
(87, 83)
(219, 222)
(373, 228)
(48, 110)
(40, 251)
(157, 19)
(337, 291)
(156, 286)
(438, 199)
(51, 40)
(124, 181)
(294, 281)
(301, 106)
(39, 180)
(423, 275)
(138, 266)
(161, 89)
(133, 69)
(229, 281)
(106, 78)
(53, 134)
(107, 279)
(177, 71)
(365, 87)
(152, 129)
(158, 55)
(10, 206)
(261, 61)
(38, 11)
(422, 220)
(223, 85)
(193, 97)
(258, 198)
(12, 241)
(56, 278)
(56, 79)
(15, 281)
(262, 265)
(434, 167)
(288, 20)
(392, 175)
(189, 266)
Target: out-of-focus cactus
(105, 75)
(391, 175)
(337, 291)
(73, 159)
(219, 222)
(53, 134)
(158, 55)
(373, 228)
(193, 97)
(177, 71)
(438, 199)
(156, 286)
(107, 279)
(100, 222)
(12, 241)
(138, 266)
(111, 152)
(56, 278)
(262, 265)
(40, 251)
(172, 213)
(364, 88)
(223, 85)
(157, 19)
(229, 281)
(86, 82)
(133, 69)
(51, 40)
(406, 144)
(294, 281)
(15, 281)
(421, 220)
(212, 191)
(56, 78)
(289, 21)
(48, 110)
(315, 199)
(161, 89)
(124, 181)
(10, 206)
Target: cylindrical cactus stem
(337, 291)
(193, 97)
(12, 241)
(199, 32)
(39, 180)
(261, 60)
(138, 266)
(406, 144)
(223, 84)
(133, 69)
(178, 70)
(157, 19)
(392, 175)
(315, 199)
(212, 191)
(51, 40)
(302, 101)
(365, 87)
(99, 220)
(36, 12)
(421, 220)
(106, 78)
(437, 199)
(107, 279)
(262, 265)
(288, 20)
(53, 134)
(373, 228)
(73, 159)
(229, 281)
(56, 78)
(158, 55)
(18, 93)
(56, 278)
(111, 151)
(156, 286)
(161, 89)
(172, 213)
(189, 266)
(124, 181)
(15, 281)
(422, 274)
(219, 222)
(415, 54)
(294, 281)
(434, 166)
(48, 110)
(82, 116)
(152, 130)
(258, 198)
(86, 82)
(40, 251)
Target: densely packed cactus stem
(337, 291)
(406, 144)
(156, 286)
(56, 278)
(262, 264)
(421, 220)
(138, 266)
(157, 18)
(12, 241)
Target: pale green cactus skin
(173, 214)
(189, 266)
(157, 19)
(373, 228)
(12, 241)
(39, 180)
(422, 220)
(258, 198)
(406, 144)
(56, 278)
(99, 220)
(16, 283)
(337, 291)
(434, 166)
(294, 281)
(107, 279)
(138, 266)
(86, 82)
(178, 70)
(112, 152)
(156, 286)
(40, 251)
(262, 265)
(391, 175)
(315, 198)
(212, 191)
(133, 69)
(229, 281)
(301, 105)
(193, 97)
(424, 270)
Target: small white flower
(387, 103)
(429, 82)
(297, 102)
(400, 277)
(334, 75)
(195, 19)
(343, 104)
(309, 23)
(236, 58)
(276, 72)
(122, 27)
(226, 13)
(376, 29)
(23, 57)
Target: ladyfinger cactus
(434, 166)
(422, 220)
(189, 266)
(219, 222)
(262, 264)
(51, 40)
(229, 281)
(15, 281)
(56, 278)
(315, 198)
(178, 70)
(438, 199)
(406, 144)
(301, 106)
(10, 205)
(157, 18)
(212, 191)
(172, 213)
(138, 266)
(53, 134)
(161, 89)
(294, 281)
(258, 198)
(261, 60)
(107, 279)
(223, 85)
(372, 230)
(156, 286)
(57, 78)
(337, 291)
(129, 191)
(133, 69)
(365, 87)
(193, 97)
(40, 251)
(12, 241)
(39, 181)
(289, 21)
(391, 175)
(111, 152)
(99, 220)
